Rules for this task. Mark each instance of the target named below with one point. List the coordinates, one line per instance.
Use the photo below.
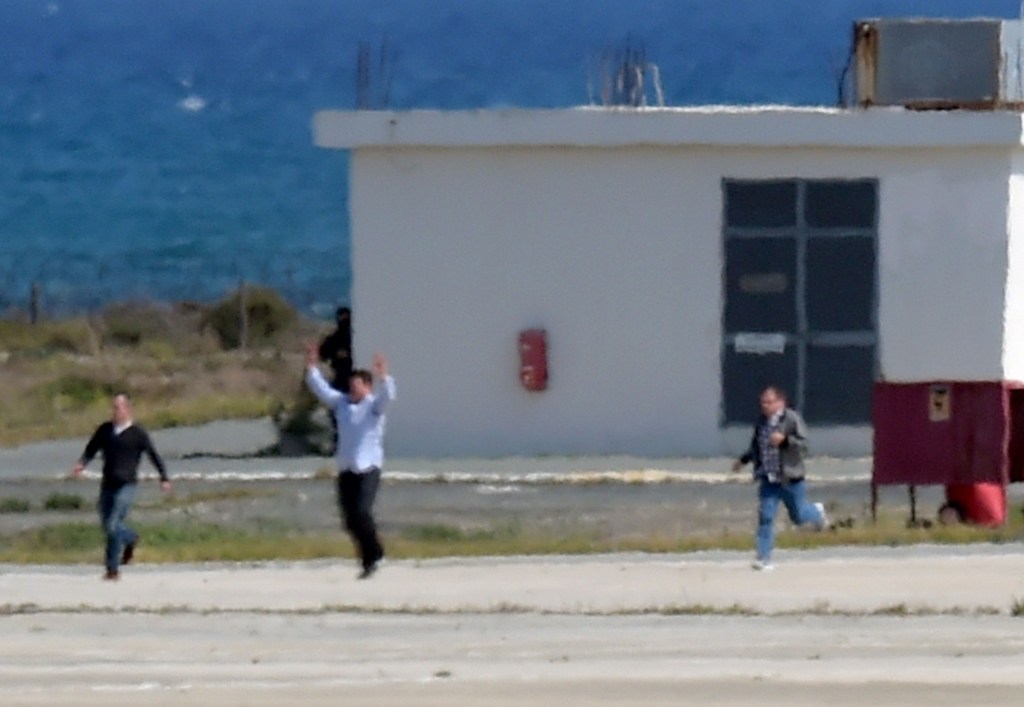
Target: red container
(965, 435)
(981, 503)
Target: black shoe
(370, 570)
(112, 576)
(128, 554)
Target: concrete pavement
(863, 581)
(230, 449)
(865, 627)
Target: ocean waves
(127, 125)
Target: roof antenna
(373, 91)
(624, 72)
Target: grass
(208, 408)
(22, 340)
(230, 494)
(189, 541)
(60, 375)
(15, 505)
(63, 502)
(76, 542)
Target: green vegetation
(63, 502)
(300, 427)
(22, 340)
(14, 505)
(237, 493)
(190, 541)
(182, 364)
(171, 542)
(269, 316)
(77, 391)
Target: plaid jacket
(791, 451)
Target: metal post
(913, 504)
(33, 304)
(243, 314)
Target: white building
(678, 259)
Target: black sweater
(121, 454)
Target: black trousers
(356, 494)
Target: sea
(160, 150)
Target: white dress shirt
(360, 425)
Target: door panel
(760, 294)
(745, 375)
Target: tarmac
(924, 625)
(857, 626)
(232, 450)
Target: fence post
(243, 313)
(33, 304)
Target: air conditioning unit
(940, 64)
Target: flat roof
(719, 126)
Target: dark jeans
(356, 494)
(113, 506)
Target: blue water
(161, 149)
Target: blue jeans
(113, 506)
(792, 494)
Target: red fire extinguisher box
(967, 436)
(533, 359)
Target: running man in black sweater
(122, 443)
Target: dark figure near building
(336, 350)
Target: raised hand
(380, 365)
(312, 354)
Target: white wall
(1013, 350)
(455, 252)
(617, 253)
(943, 246)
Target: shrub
(303, 427)
(14, 505)
(159, 351)
(267, 312)
(77, 391)
(63, 502)
(71, 335)
(130, 324)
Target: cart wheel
(951, 513)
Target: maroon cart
(966, 436)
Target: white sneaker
(823, 523)
(762, 565)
